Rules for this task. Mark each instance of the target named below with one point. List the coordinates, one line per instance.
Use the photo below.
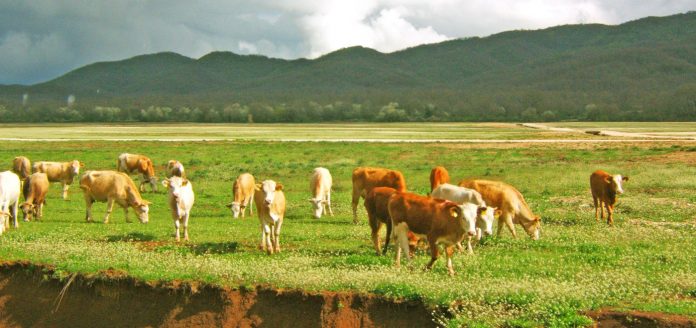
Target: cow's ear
(229, 205)
(624, 178)
(453, 212)
(537, 218)
(165, 183)
(279, 186)
(257, 186)
(481, 210)
(185, 182)
(607, 179)
(144, 203)
(82, 164)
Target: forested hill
(640, 70)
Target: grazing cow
(366, 178)
(22, 167)
(34, 190)
(63, 172)
(180, 202)
(9, 199)
(132, 163)
(438, 176)
(511, 204)
(113, 187)
(605, 188)
(175, 169)
(243, 193)
(461, 195)
(270, 207)
(320, 186)
(440, 221)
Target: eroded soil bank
(30, 298)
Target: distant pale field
(657, 128)
(302, 132)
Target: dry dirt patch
(609, 318)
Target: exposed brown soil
(608, 318)
(29, 297)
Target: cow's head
(467, 213)
(318, 206)
(142, 209)
(175, 184)
(28, 209)
(236, 208)
(484, 220)
(533, 227)
(268, 188)
(616, 183)
(75, 167)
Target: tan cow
(242, 193)
(511, 204)
(34, 190)
(320, 185)
(440, 221)
(133, 163)
(113, 187)
(438, 176)
(175, 169)
(270, 207)
(605, 187)
(63, 172)
(181, 200)
(22, 167)
(366, 178)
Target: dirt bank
(608, 318)
(30, 298)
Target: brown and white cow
(511, 204)
(320, 185)
(134, 163)
(605, 188)
(439, 221)
(63, 172)
(113, 187)
(34, 190)
(377, 207)
(175, 169)
(366, 178)
(181, 200)
(22, 167)
(438, 176)
(270, 207)
(242, 194)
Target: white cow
(180, 202)
(461, 195)
(320, 186)
(9, 199)
(270, 207)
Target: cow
(63, 172)
(377, 207)
(461, 195)
(320, 186)
(510, 203)
(34, 190)
(9, 199)
(180, 202)
(22, 167)
(605, 187)
(113, 187)
(270, 207)
(242, 193)
(438, 176)
(133, 163)
(366, 178)
(440, 221)
(175, 169)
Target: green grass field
(647, 261)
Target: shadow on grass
(131, 236)
(214, 248)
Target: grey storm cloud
(42, 39)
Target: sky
(43, 39)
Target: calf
(34, 190)
(180, 202)
(320, 186)
(461, 195)
(175, 169)
(366, 178)
(605, 187)
(511, 204)
(22, 167)
(133, 163)
(440, 221)
(242, 193)
(438, 176)
(270, 207)
(63, 172)
(113, 187)
(9, 199)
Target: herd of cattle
(448, 215)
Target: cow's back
(501, 195)
(377, 202)
(21, 166)
(320, 182)
(9, 188)
(417, 211)
(369, 178)
(53, 170)
(37, 183)
(102, 184)
(244, 185)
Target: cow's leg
(328, 203)
(186, 219)
(596, 208)
(510, 225)
(142, 185)
(434, 253)
(459, 246)
(449, 251)
(601, 208)
(89, 202)
(40, 213)
(65, 190)
(109, 208)
(176, 226)
(469, 248)
(354, 203)
(14, 214)
(610, 214)
(153, 184)
(386, 238)
(375, 226)
(250, 202)
(277, 236)
(262, 246)
(400, 234)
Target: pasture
(647, 261)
